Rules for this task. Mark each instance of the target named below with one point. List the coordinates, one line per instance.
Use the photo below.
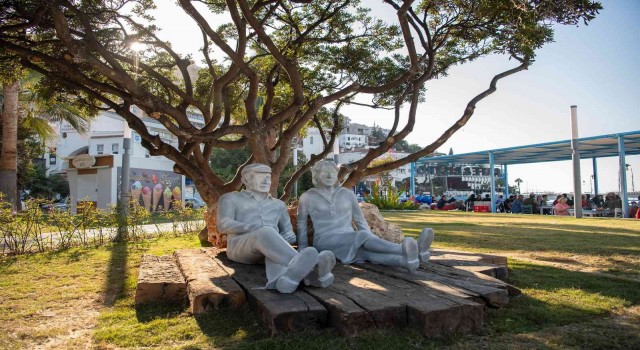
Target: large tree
(286, 65)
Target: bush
(389, 202)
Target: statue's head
(257, 177)
(324, 174)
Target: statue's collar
(250, 194)
(323, 194)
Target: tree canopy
(285, 65)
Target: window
(52, 159)
(311, 140)
(100, 149)
(114, 148)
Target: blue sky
(595, 67)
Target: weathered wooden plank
(384, 311)
(479, 257)
(278, 312)
(343, 313)
(467, 288)
(160, 280)
(497, 271)
(478, 278)
(432, 312)
(208, 285)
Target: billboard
(155, 190)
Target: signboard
(155, 190)
(83, 161)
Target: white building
(352, 141)
(92, 162)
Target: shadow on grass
(116, 272)
(149, 312)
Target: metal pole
(336, 149)
(124, 187)
(492, 182)
(295, 168)
(575, 156)
(595, 176)
(623, 176)
(413, 179)
(506, 182)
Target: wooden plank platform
(438, 299)
(278, 312)
(208, 285)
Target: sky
(595, 67)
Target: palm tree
(9, 153)
(519, 181)
(23, 104)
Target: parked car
(60, 205)
(194, 203)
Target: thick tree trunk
(9, 153)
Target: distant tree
(451, 151)
(518, 181)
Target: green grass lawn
(580, 281)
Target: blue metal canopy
(590, 147)
(612, 145)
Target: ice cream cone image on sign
(177, 194)
(166, 198)
(146, 198)
(157, 193)
(136, 191)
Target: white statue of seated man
(259, 230)
(334, 209)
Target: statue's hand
(289, 236)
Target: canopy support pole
(506, 182)
(595, 176)
(493, 182)
(623, 176)
(575, 156)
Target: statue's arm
(303, 214)
(284, 226)
(356, 212)
(225, 219)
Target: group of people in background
(561, 205)
(532, 203)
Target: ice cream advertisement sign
(155, 190)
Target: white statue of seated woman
(334, 210)
(259, 231)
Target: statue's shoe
(321, 276)
(410, 254)
(424, 243)
(299, 267)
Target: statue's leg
(407, 259)
(378, 245)
(424, 243)
(299, 267)
(271, 244)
